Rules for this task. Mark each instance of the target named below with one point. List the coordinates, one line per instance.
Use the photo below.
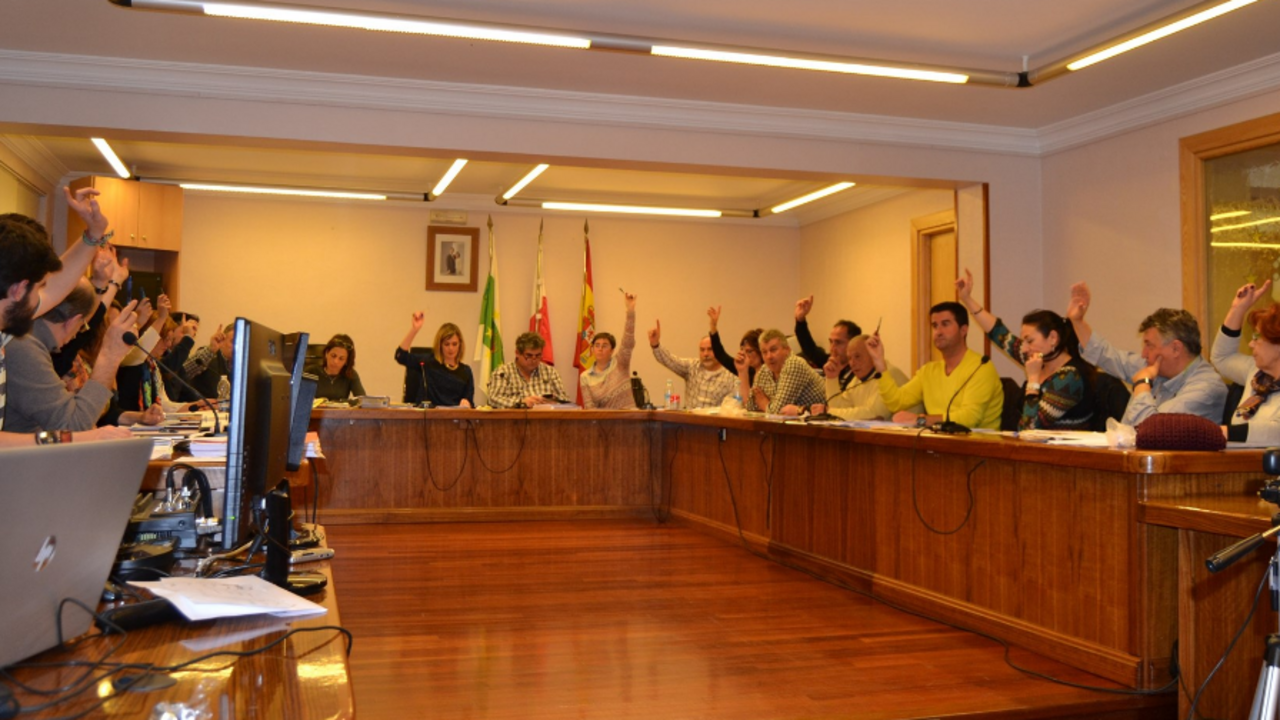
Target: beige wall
(16, 195)
(1112, 218)
(857, 266)
(360, 269)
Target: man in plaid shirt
(785, 385)
(526, 381)
(706, 383)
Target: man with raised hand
(706, 383)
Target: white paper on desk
(1077, 438)
(208, 598)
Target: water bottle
(667, 398)
(224, 388)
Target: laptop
(64, 509)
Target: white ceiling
(982, 34)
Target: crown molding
(33, 153)
(127, 75)
(1230, 85)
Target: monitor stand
(276, 570)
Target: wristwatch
(57, 437)
(1143, 381)
(921, 420)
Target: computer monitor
(304, 394)
(257, 427)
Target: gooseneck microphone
(132, 339)
(947, 427)
(422, 399)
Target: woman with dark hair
(748, 347)
(337, 370)
(1257, 417)
(446, 376)
(1058, 392)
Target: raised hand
(803, 306)
(964, 287)
(84, 205)
(740, 362)
(103, 267)
(113, 346)
(1249, 294)
(875, 349)
(418, 318)
(630, 300)
(713, 313)
(163, 308)
(1078, 305)
(655, 334)
(144, 312)
(216, 340)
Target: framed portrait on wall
(451, 258)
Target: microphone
(422, 399)
(947, 427)
(131, 339)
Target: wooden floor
(623, 619)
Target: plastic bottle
(224, 388)
(666, 402)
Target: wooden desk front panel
(406, 464)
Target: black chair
(1235, 391)
(1011, 412)
(1110, 398)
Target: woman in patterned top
(1058, 392)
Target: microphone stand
(132, 339)
(946, 427)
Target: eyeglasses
(531, 356)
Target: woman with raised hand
(607, 384)
(1058, 391)
(439, 375)
(1257, 418)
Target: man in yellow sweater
(963, 381)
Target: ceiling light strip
(269, 190)
(1230, 214)
(631, 209)
(1166, 29)
(815, 195)
(1244, 245)
(528, 178)
(111, 157)
(801, 63)
(443, 185)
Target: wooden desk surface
(306, 676)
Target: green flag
(489, 339)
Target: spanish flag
(583, 359)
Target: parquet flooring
(623, 619)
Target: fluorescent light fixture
(794, 63)
(815, 195)
(1156, 34)
(1237, 226)
(533, 174)
(632, 209)
(111, 157)
(1233, 213)
(1244, 245)
(389, 23)
(454, 169)
(296, 192)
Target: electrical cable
(426, 444)
(887, 603)
(1230, 646)
(915, 503)
(471, 429)
(661, 512)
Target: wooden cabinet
(143, 215)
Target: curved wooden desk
(1054, 551)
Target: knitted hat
(1179, 431)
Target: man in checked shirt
(706, 383)
(785, 385)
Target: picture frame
(452, 265)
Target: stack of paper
(208, 598)
(209, 447)
(313, 445)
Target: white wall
(1112, 218)
(360, 269)
(857, 267)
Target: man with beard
(33, 279)
(962, 387)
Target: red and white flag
(540, 319)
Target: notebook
(64, 509)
